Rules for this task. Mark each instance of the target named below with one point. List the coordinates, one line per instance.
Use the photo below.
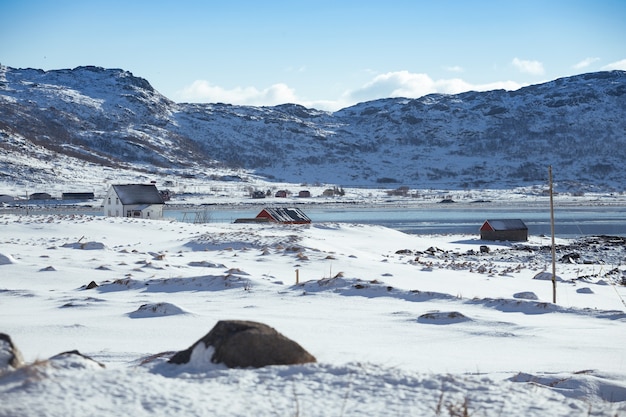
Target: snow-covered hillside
(109, 118)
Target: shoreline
(249, 204)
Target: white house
(134, 200)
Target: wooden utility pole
(552, 232)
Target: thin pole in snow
(552, 230)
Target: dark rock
(526, 295)
(571, 258)
(432, 250)
(243, 344)
(91, 285)
(484, 249)
(10, 356)
(443, 317)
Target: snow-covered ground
(400, 324)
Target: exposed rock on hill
(90, 116)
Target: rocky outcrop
(10, 356)
(76, 359)
(245, 344)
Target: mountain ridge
(96, 117)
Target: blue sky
(321, 54)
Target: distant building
(331, 192)
(304, 194)
(166, 195)
(281, 194)
(283, 215)
(504, 229)
(77, 196)
(40, 196)
(4, 198)
(134, 200)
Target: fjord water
(448, 219)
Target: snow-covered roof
(286, 215)
(138, 194)
(507, 224)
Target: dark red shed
(504, 229)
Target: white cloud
(201, 91)
(585, 63)
(395, 84)
(528, 67)
(410, 85)
(456, 86)
(619, 65)
(388, 85)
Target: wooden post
(297, 276)
(552, 230)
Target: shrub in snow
(11, 358)
(244, 344)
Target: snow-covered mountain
(55, 125)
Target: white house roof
(138, 194)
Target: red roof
(285, 215)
